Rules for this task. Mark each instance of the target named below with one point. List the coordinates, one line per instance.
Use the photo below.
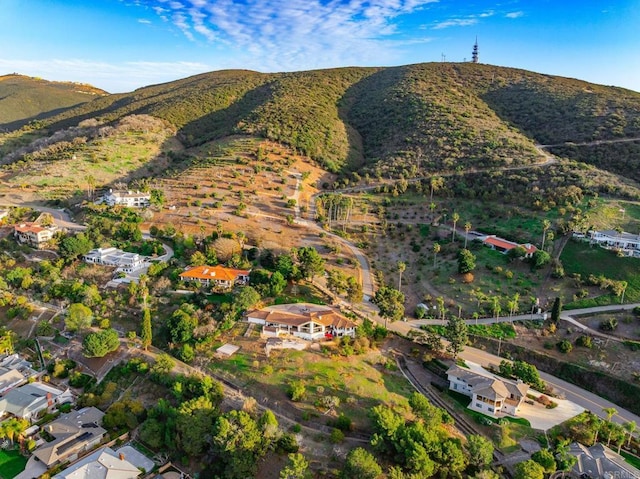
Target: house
(126, 262)
(489, 395)
(34, 234)
(73, 433)
(628, 243)
(14, 371)
(104, 463)
(132, 199)
(27, 401)
(302, 320)
(504, 246)
(600, 462)
(219, 277)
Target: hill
(400, 121)
(24, 98)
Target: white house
(628, 243)
(127, 262)
(302, 320)
(27, 401)
(489, 395)
(14, 371)
(103, 463)
(132, 199)
(34, 234)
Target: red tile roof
(29, 228)
(500, 243)
(214, 273)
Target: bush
(297, 391)
(585, 341)
(609, 324)
(565, 346)
(337, 436)
(342, 422)
(287, 444)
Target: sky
(121, 45)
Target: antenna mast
(474, 54)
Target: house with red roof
(33, 234)
(218, 277)
(504, 246)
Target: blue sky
(120, 45)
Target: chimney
(49, 400)
(121, 455)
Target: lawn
(12, 463)
(580, 258)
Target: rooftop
(219, 273)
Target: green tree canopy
(297, 468)
(466, 261)
(79, 317)
(361, 464)
(480, 451)
(456, 334)
(310, 261)
(529, 470)
(390, 302)
(101, 343)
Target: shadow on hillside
(226, 122)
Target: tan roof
(215, 273)
(29, 228)
(301, 314)
(102, 464)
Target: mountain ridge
(426, 117)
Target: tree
(236, 441)
(73, 246)
(556, 310)
(480, 451)
(311, 263)
(198, 259)
(336, 281)
(456, 334)
(466, 261)
(546, 224)
(390, 302)
(529, 470)
(163, 365)
(455, 217)
(297, 468)
(277, 283)
(546, 459)
(402, 266)
(540, 258)
(79, 317)
(13, 428)
(98, 345)
(157, 197)
(246, 298)
(435, 183)
(146, 335)
(496, 307)
(630, 427)
(194, 422)
(361, 464)
(354, 290)
(436, 250)
(467, 228)
(610, 412)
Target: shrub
(337, 436)
(297, 391)
(585, 341)
(609, 324)
(565, 346)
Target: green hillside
(24, 98)
(409, 120)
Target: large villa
(489, 395)
(302, 320)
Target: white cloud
(144, 20)
(295, 34)
(514, 14)
(454, 22)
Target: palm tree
(435, 183)
(432, 207)
(455, 217)
(630, 427)
(402, 266)
(467, 228)
(610, 412)
(546, 224)
(91, 185)
(436, 250)
(495, 305)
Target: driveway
(34, 468)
